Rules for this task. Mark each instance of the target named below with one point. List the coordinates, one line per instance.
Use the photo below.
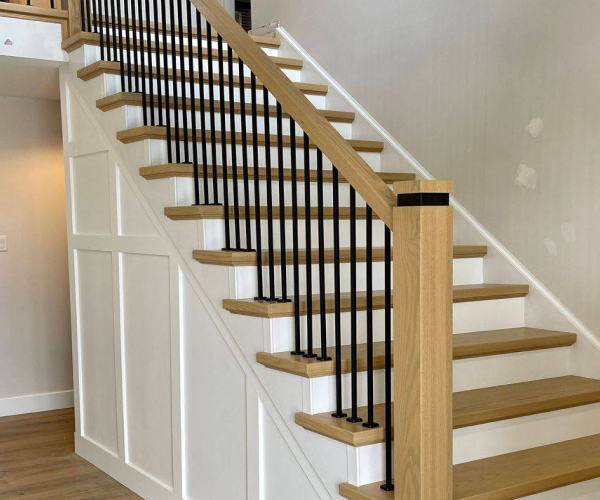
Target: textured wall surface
(501, 96)
(35, 331)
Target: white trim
(128, 475)
(34, 403)
(579, 325)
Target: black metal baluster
(222, 120)
(143, 60)
(114, 30)
(128, 46)
(234, 172)
(308, 233)
(259, 270)
(321, 231)
(354, 418)
(245, 154)
(211, 102)
(192, 81)
(202, 105)
(184, 101)
(148, 42)
(103, 25)
(108, 35)
(134, 34)
(97, 19)
(370, 423)
(295, 245)
(282, 251)
(158, 69)
(388, 485)
(88, 14)
(267, 135)
(167, 81)
(121, 58)
(337, 278)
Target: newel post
(74, 8)
(423, 340)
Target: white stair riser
(279, 332)
(113, 86)
(158, 155)
(469, 374)
(215, 239)
(135, 118)
(366, 464)
(466, 271)
(93, 54)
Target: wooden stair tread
(120, 99)
(282, 62)
(238, 259)
(170, 170)
(462, 293)
(202, 212)
(83, 37)
(465, 345)
(147, 132)
(514, 475)
(475, 407)
(114, 68)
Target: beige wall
(465, 87)
(35, 338)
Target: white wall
(35, 339)
(465, 87)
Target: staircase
(299, 209)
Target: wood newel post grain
(74, 17)
(422, 282)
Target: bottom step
(514, 475)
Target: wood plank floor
(38, 462)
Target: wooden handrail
(349, 163)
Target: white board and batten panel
(145, 305)
(98, 396)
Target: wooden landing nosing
(148, 132)
(461, 293)
(113, 68)
(92, 39)
(465, 345)
(475, 407)
(511, 476)
(242, 259)
(185, 170)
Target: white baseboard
(35, 403)
(129, 476)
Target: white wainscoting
(163, 403)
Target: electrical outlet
(3, 244)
